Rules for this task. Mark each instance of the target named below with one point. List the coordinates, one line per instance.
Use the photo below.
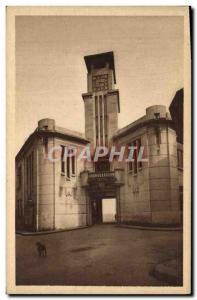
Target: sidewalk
(156, 228)
(29, 233)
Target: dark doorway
(97, 211)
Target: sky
(51, 74)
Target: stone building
(58, 193)
(48, 194)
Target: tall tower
(101, 100)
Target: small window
(157, 115)
(73, 165)
(138, 149)
(130, 163)
(62, 160)
(135, 169)
(45, 143)
(19, 177)
(68, 167)
(158, 136)
(135, 165)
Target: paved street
(99, 255)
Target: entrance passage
(109, 210)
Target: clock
(100, 82)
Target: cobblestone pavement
(99, 255)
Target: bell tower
(101, 100)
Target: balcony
(116, 176)
(105, 175)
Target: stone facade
(54, 195)
(151, 192)
(55, 200)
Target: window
(73, 165)
(138, 142)
(101, 120)
(96, 119)
(62, 160)
(70, 162)
(102, 165)
(19, 177)
(157, 115)
(134, 144)
(30, 175)
(105, 120)
(158, 136)
(180, 158)
(45, 143)
(68, 167)
(135, 165)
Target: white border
(2, 87)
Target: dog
(41, 248)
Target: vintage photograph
(99, 149)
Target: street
(99, 255)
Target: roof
(99, 61)
(128, 127)
(70, 132)
(139, 123)
(59, 132)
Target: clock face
(100, 82)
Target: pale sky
(51, 74)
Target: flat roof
(59, 132)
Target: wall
(70, 198)
(163, 176)
(151, 195)
(135, 194)
(27, 217)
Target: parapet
(46, 124)
(156, 112)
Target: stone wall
(26, 213)
(135, 193)
(151, 195)
(70, 197)
(46, 188)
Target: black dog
(41, 249)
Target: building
(176, 111)
(58, 193)
(48, 194)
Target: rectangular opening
(109, 210)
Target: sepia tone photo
(99, 170)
